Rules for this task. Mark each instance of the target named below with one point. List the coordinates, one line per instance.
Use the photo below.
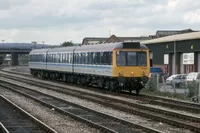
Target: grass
(166, 94)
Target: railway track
(170, 117)
(16, 120)
(3, 129)
(99, 120)
(154, 100)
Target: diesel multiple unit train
(113, 66)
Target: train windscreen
(132, 58)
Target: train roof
(110, 46)
(95, 47)
(63, 49)
(37, 51)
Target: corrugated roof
(179, 37)
(162, 33)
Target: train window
(57, 58)
(54, 59)
(93, 58)
(71, 58)
(101, 58)
(142, 58)
(89, 58)
(109, 58)
(50, 58)
(60, 59)
(82, 58)
(131, 59)
(106, 58)
(43, 59)
(86, 58)
(66, 58)
(74, 58)
(79, 58)
(121, 58)
(98, 58)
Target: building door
(188, 68)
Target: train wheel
(53, 76)
(137, 91)
(68, 79)
(82, 81)
(101, 84)
(111, 86)
(64, 78)
(118, 89)
(138, 88)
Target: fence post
(198, 93)
(185, 88)
(174, 87)
(157, 80)
(163, 80)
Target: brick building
(113, 38)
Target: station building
(176, 54)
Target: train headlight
(132, 73)
(120, 73)
(143, 73)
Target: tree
(67, 44)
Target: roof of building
(22, 46)
(113, 38)
(162, 33)
(179, 37)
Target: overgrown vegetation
(67, 44)
(151, 85)
(192, 89)
(151, 88)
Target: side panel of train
(61, 62)
(114, 69)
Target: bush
(192, 89)
(152, 84)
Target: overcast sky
(55, 21)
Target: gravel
(22, 69)
(107, 95)
(135, 119)
(58, 122)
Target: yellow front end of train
(131, 67)
(131, 63)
